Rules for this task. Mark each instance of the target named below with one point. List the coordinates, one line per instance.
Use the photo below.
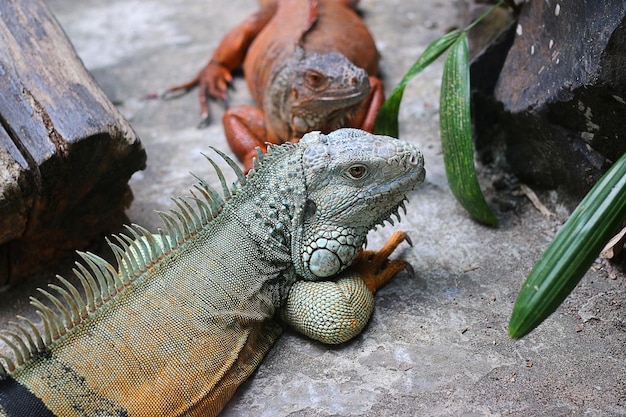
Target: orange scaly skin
(305, 70)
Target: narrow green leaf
(573, 250)
(387, 117)
(456, 133)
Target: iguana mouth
(325, 113)
(386, 216)
(340, 97)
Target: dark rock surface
(557, 108)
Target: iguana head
(325, 92)
(353, 181)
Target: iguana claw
(204, 122)
(375, 267)
(409, 269)
(172, 94)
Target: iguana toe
(376, 268)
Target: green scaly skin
(192, 310)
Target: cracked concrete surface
(437, 343)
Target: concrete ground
(437, 344)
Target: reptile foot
(375, 267)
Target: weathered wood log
(66, 153)
(558, 107)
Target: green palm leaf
(456, 133)
(387, 117)
(573, 250)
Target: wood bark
(66, 153)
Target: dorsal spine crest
(135, 255)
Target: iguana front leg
(335, 311)
(245, 130)
(215, 77)
(375, 267)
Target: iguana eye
(314, 79)
(357, 171)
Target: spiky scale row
(101, 281)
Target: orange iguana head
(320, 92)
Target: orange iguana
(192, 310)
(310, 65)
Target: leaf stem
(481, 17)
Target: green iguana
(192, 310)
